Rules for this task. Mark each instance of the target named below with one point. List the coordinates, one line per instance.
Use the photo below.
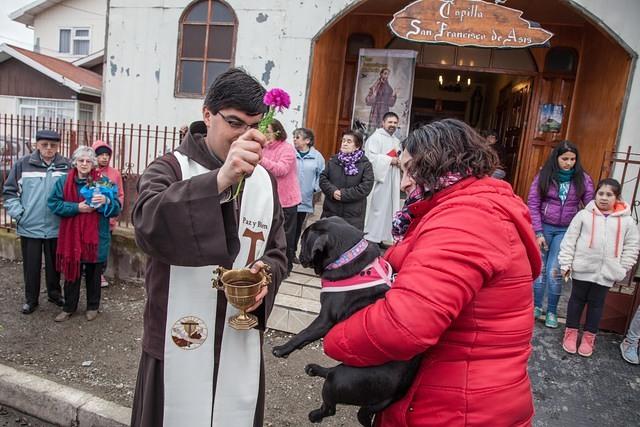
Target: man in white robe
(383, 149)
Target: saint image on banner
(381, 98)
(384, 83)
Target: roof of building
(76, 78)
(90, 60)
(26, 14)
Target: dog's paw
(311, 369)
(316, 415)
(280, 351)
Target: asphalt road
(12, 418)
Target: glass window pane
(191, 76)
(81, 47)
(47, 113)
(214, 69)
(513, 59)
(220, 42)
(65, 41)
(27, 101)
(193, 37)
(198, 12)
(436, 54)
(82, 33)
(474, 56)
(28, 111)
(221, 13)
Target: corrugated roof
(78, 75)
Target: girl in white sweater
(600, 246)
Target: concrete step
(297, 303)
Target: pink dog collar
(349, 255)
(377, 273)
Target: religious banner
(384, 83)
(467, 23)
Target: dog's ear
(319, 253)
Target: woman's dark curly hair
(447, 146)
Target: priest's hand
(243, 156)
(256, 267)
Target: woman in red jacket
(465, 257)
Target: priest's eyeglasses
(237, 124)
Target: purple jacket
(550, 210)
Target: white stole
(191, 306)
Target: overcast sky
(13, 32)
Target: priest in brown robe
(195, 370)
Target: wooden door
(511, 121)
(538, 141)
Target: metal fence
(625, 167)
(134, 147)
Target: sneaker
(629, 352)
(103, 282)
(570, 340)
(537, 312)
(62, 317)
(551, 320)
(91, 315)
(587, 344)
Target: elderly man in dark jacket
(25, 195)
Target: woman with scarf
(84, 237)
(347, 181)
(465, 256)
(557, 193)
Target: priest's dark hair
(550, 169)
(447, 146)
(238, 90)
(390, 114)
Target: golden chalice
(241, 287)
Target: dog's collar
(349, 255)
(379, 272)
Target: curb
(56, 403)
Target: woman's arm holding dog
(436, 281)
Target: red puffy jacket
(463, 297)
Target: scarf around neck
(78, 236)
(403, 218)
(349, 160)
(564, 176)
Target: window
(75, 41)
(47, 108)
(85, 112)
(206, 46)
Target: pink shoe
(587, 344)
(570, 341)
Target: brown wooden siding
(18, 79)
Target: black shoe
(296, 260)
(29, 308)
(57, 301)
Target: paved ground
(568, 390)
(12, 418)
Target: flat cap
(50, 135)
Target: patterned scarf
(349, 160)
(78, 236)
(403, 218)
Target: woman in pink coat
(279, 158)
(465, 257)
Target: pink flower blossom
(277, 98)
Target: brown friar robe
(187, 223)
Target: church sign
(467, 23)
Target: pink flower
(277, 98)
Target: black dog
(372, 388)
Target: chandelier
(457, 86)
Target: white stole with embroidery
(191, 324)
